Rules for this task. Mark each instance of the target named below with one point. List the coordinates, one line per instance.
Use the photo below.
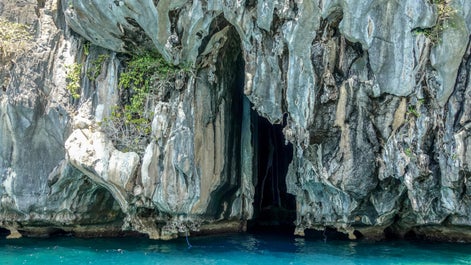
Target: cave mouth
(4, 232)
(274, 208)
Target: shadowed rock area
(363, 106)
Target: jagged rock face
(40, 193)
(376, 110)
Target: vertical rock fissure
(227, 111)
(273, 206)
(234, 135)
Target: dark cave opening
(4, 232)
(274, 207)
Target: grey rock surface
(375, 107)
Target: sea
(257, 249)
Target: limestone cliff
(370, 97)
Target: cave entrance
(4, 232)
(255, 150)
(273, 206)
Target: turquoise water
(228, 249)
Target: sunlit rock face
(373, 96)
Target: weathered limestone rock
(376, 108)
(94, 155)
(14, 234)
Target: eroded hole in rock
(57, 232)
(4, 232)
(328, 234)
(273, 205)
(98, 207)
(411, 235)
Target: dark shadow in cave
(274, 207)
(229, 87)
(4, 232)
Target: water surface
(228, 249)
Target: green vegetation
(141, 78)
(94, 70)
(415, 109)
(86, 48)
(14, 38)
(454, 156)
(445, 14)
(408, 152)
(129, 126)
(74, 71)
(411, 110)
